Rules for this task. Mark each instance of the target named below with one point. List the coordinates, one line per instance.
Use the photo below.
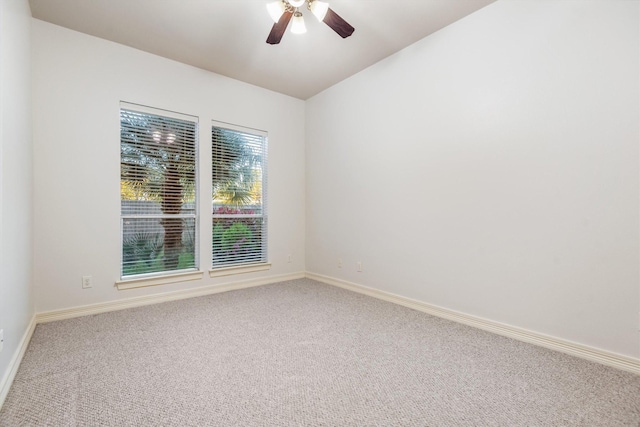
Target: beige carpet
(302, 353)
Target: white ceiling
(228, 36)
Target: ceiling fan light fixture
(319, 9)
(297, 24)
(276, 9)
(292, 14)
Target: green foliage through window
(238, 200)
(158, 191)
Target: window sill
(240, 269)
(159, 280)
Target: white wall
(78, 82)
(491, 168)
(16, 298)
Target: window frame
(263, 263)
(164, 276)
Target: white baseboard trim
(593, 354)
(604, 357)
(14, 364)
(86, 310)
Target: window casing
(158, 191)
(239, 199)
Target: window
(239, 179)
(158, 191)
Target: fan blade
(338, 24)
(279, 28)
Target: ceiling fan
(283, 11)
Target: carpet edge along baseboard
(619, 361)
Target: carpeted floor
(302, 353)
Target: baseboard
(104, 307)
(14, 364)
(604, 357)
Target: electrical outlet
(339, 263)
(1, 338)
(86, 282)
(359, 265)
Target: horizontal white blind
(158, 192)
(239, 209)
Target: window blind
(239, 208)
(158, 191)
